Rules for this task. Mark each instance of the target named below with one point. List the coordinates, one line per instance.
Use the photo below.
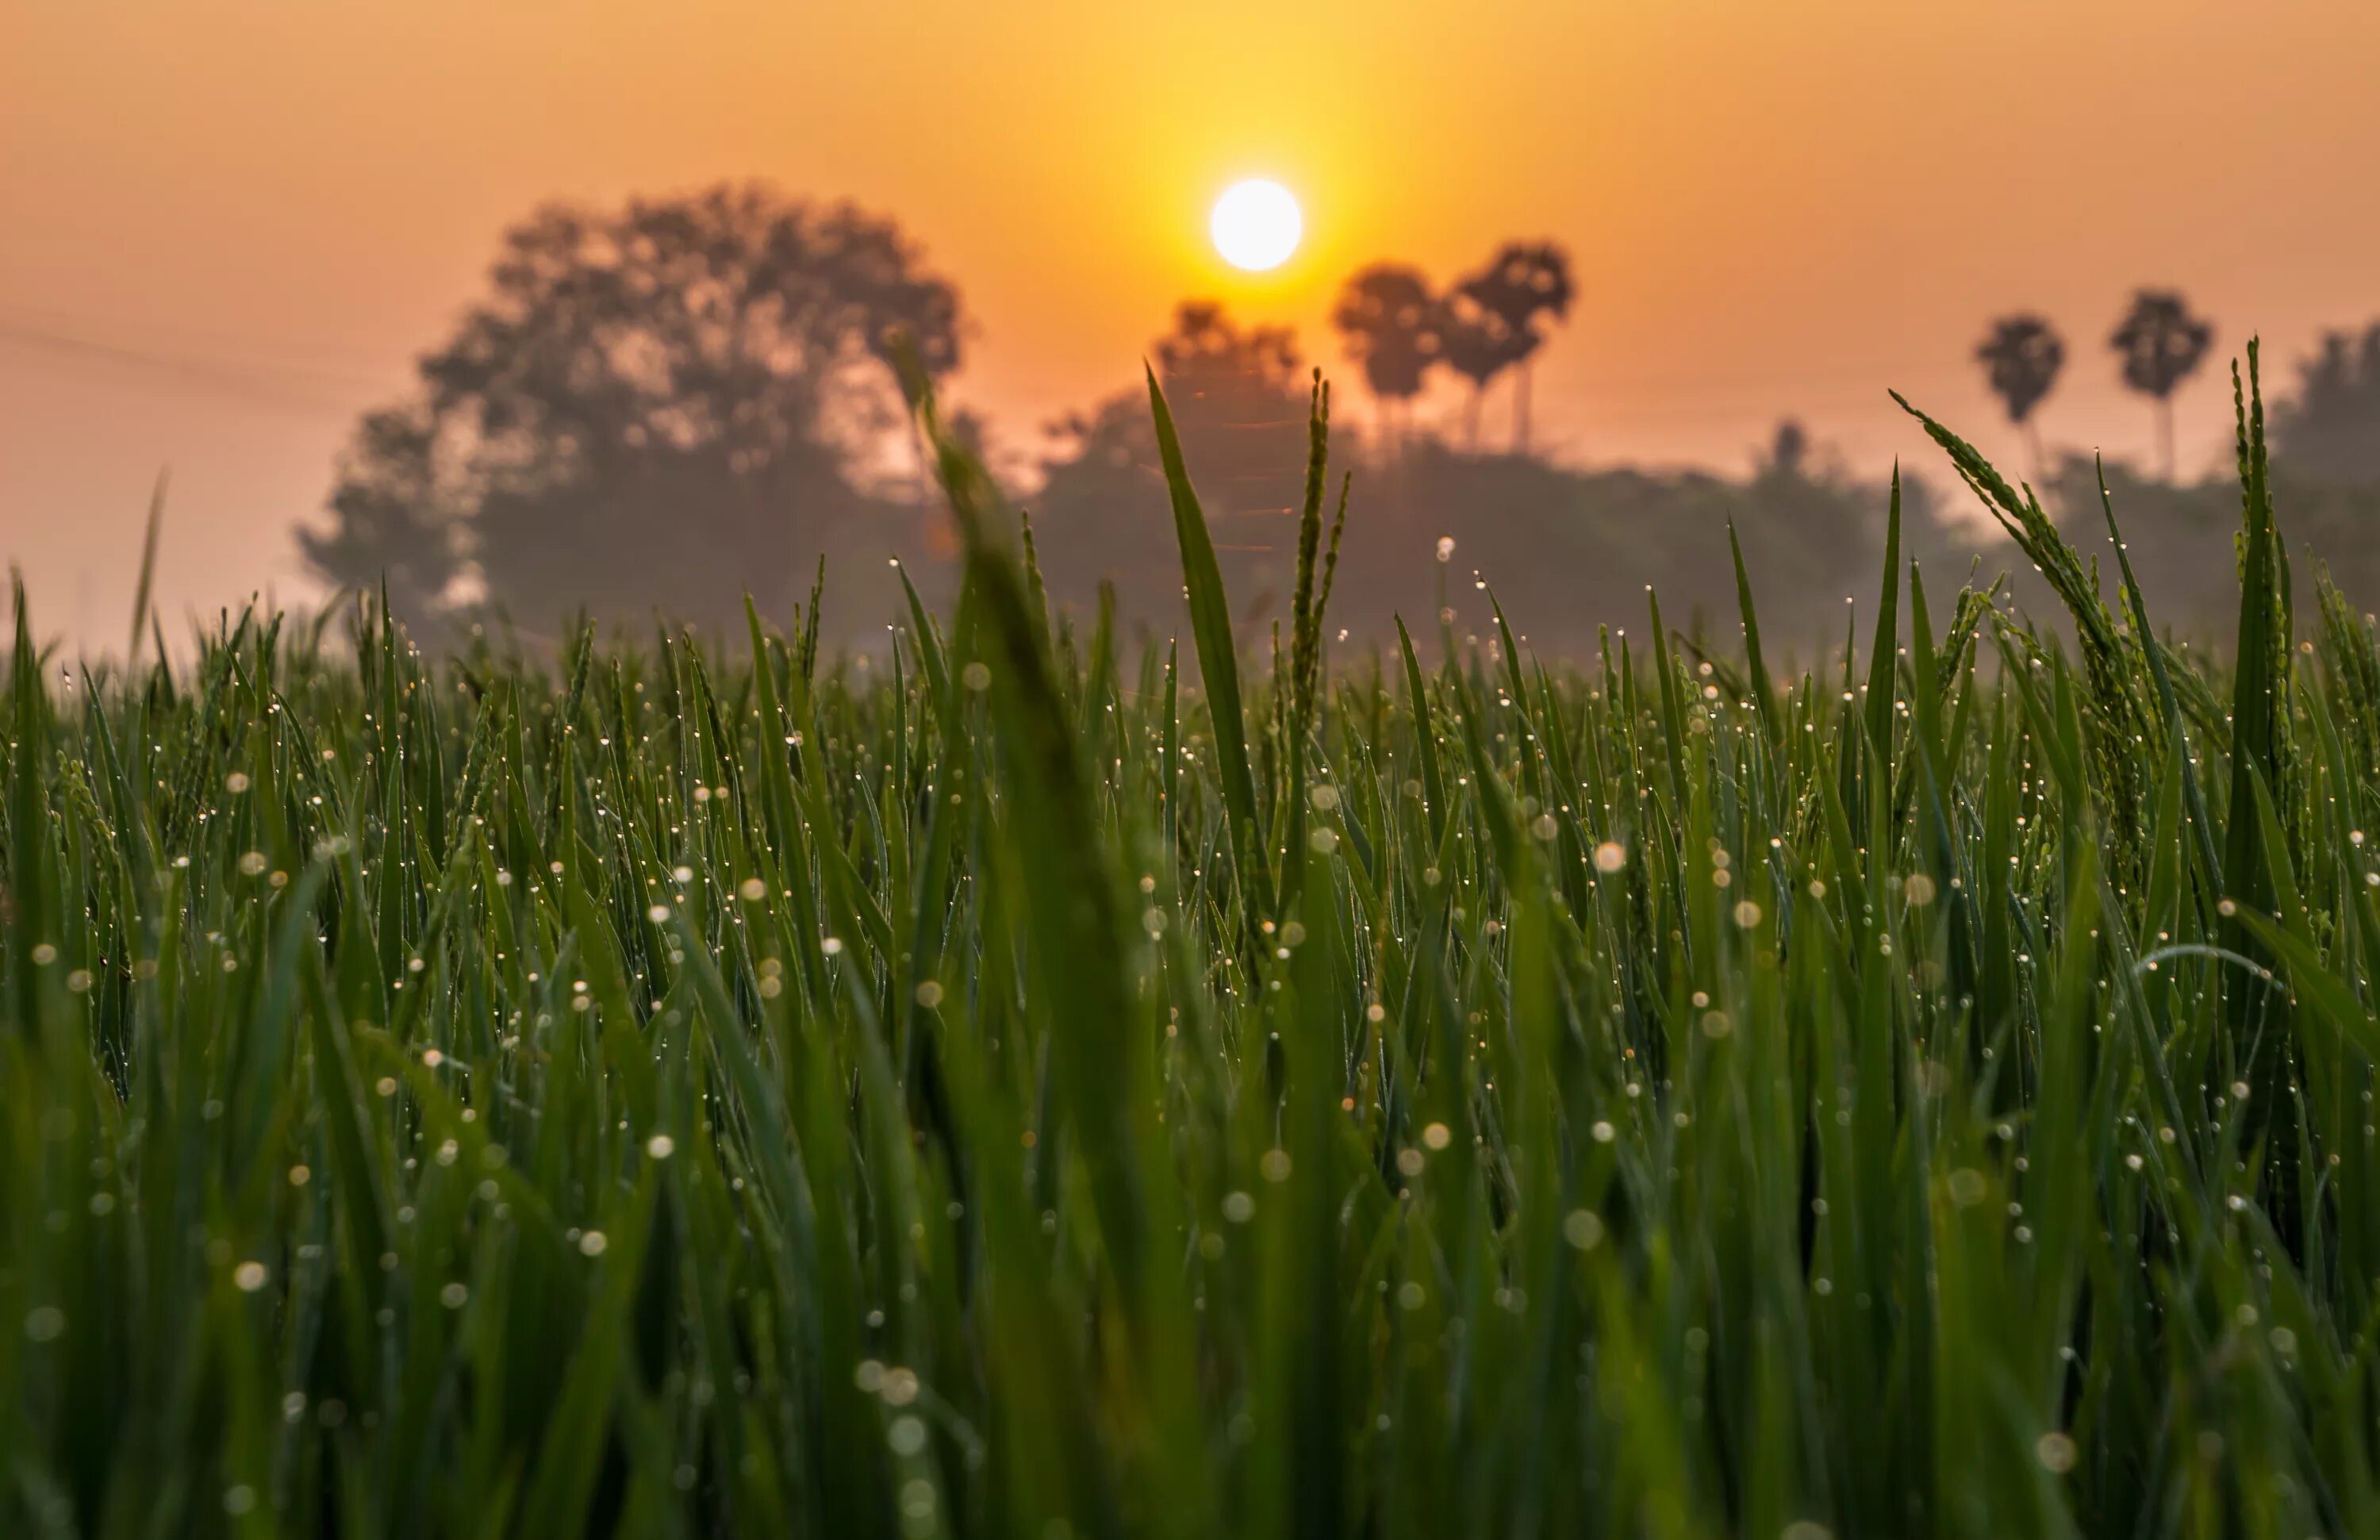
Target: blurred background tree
(1788, 458)
(1523, 282)
(655, 407)
(1478, 344)
(2161, 345)
(2330, 431)
(1488, 322)
(1390, 322)
(2021, 358)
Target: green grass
(985, 1090)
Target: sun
(1256, 226)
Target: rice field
(697, 1086)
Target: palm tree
(2021, 358)
(1478, 344)
(1523, 280)
(2162, 344)
(1391, 324)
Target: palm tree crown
(1492, 319)
(1393, 324)
(2022, 356)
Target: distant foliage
(1393, 327)
(657, 406)
(2330, 432)
(2021, 358)
(1574, 548)
(1493, 322)
(1789, 452)
(2160, 343)
(1524, 284)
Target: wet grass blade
(1219, 667)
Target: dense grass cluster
(997, 1089)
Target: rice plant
(994, 1087)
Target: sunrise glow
(1256, 226)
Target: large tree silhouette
(2161, 345)
(658, 406)
(2021, 358)
(1523, 282)
(1391, 324)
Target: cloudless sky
(227, 225)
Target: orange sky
(227, 224)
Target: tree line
(658, 407)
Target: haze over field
(228, 228)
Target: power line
(291, 386)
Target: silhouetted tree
(1215, 359)
(1478, 344)
(2021, 358)
(2329, 433)
(2162, 344)
(1522, 281)
(1390, 321)
(390, 525)
(1789, 452)
(656, 407)
(1240, 408)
